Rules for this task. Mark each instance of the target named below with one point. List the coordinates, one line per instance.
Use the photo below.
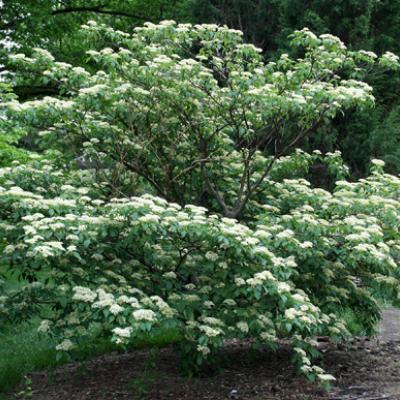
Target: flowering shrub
(130, 264)
(191, 114)
(185, 107)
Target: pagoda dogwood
(176, 199)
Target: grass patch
(353, 324)
(23, 350)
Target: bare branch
(100, 9)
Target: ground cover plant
(173, 197)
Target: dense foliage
(166, 192)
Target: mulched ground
(365, 370)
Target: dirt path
(390, 325)
(365, 370)
(380, 380)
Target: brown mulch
(366, 370)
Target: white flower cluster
(84, 294)
(144, 315)
(65, 345)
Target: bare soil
(365, 370)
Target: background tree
(55, 24)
